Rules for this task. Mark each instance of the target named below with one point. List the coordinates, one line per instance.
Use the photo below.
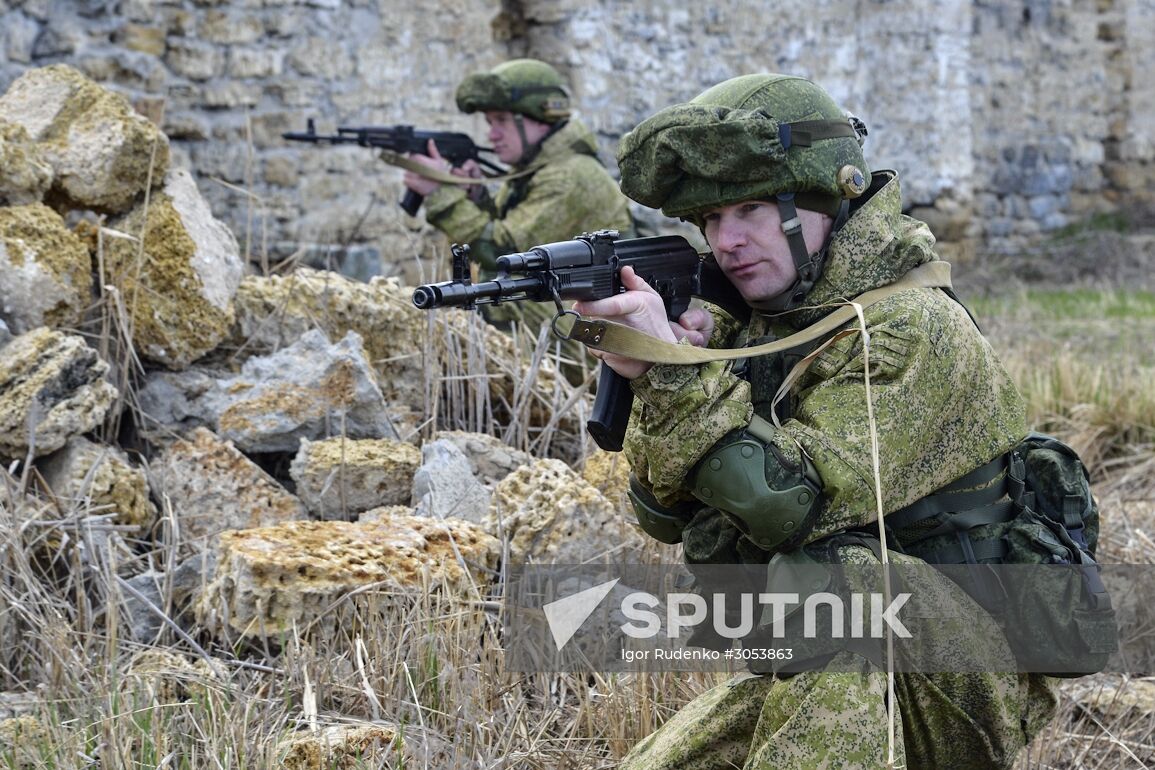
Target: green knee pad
(663, 524)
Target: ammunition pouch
(772, 503)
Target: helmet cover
(749, 138)
(522, 86)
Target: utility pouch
(783, 643)
(1031, 510)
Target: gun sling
(399, 160)
(621, 340)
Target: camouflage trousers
(836, 716)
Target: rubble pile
(261, 445)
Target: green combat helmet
(754, 137)
(522, 86)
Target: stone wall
(1006, 120)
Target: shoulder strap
(624, 341)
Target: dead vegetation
(426, 672)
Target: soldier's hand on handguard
(423, 185)
(641, 308)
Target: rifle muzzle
(425, 297)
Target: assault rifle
(587, 268)
(454, 147)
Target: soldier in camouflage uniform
(772, 172)
(562, 191)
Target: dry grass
(430, 666)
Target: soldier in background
(559, 187)
(772, 172)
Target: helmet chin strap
(529, 152)
(526, 157)
(809, 265)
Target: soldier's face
(508, 143)
(748, 242)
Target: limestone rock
(45, 269)
(160, 676)
(16, 703)
(272, 312)
(176, 271)
(1115, 699)
(444, 486)
(550, 514)
(490, 459)
(273, 579)
(609, 473)
(52, 387)
(102, 153)
(358, 745)
(311, 389)
(338, 478)
(384, 513)
(86, 474)
(21, 741)
(172, 592)
(405, 344)
(24, 174)
(211, 487)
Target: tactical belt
(983, 496)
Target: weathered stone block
(609, 473)
(549, 514)
(351, 745)
(84, 474)
(274, 579)
(311, 389)
(103, 154)
(338, 478)
(194, 60)
(490, 459)
(21, 739)
(45, 269)
(143, 38)
(25, 175)
(445, 486)
(405, 344)
(211, 487)
(273, 312)
(52, 387)
(176, 273)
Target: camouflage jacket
(569, 194)
(943, 403)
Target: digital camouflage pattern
(930, 368)
(523, 86)
(569, 194)
(836, 717)
(944, 405)
(725, 146)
